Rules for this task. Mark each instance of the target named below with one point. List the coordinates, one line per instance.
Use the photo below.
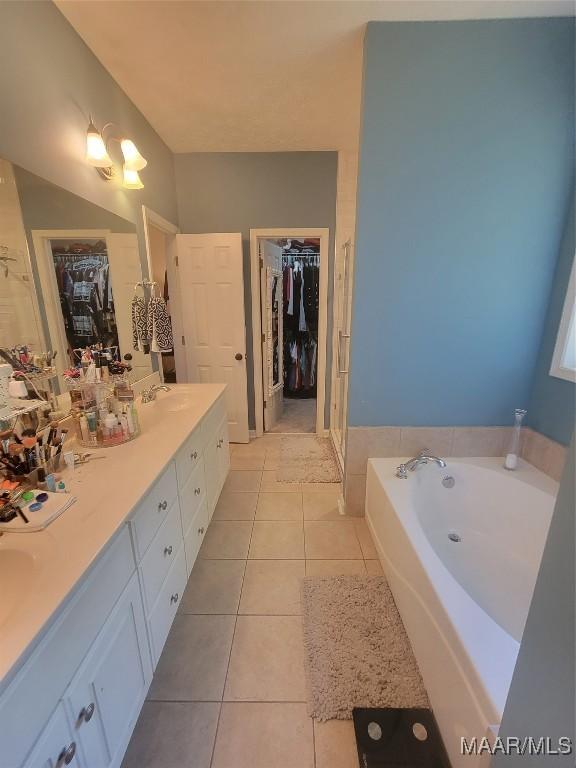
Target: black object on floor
(387, 738)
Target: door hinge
(261, 263)
(263, 338)
(183, 340)
(176, 261)
(264, 403)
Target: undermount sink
(173, 401)
(18, 571)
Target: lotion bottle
(511, 460)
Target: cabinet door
(56, 747)
(106, 695)
(212, 469)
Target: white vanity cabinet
(76, 697)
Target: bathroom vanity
(86, 605)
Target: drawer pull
(86, 713)
(162, 506)
(197, 491)
(168, 550)
(174, 598)
(67, 755)
(200, 530)
(220, 442)
(194, 455)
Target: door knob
(238, 355)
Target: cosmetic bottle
(511, 460)
(41, 482)
(109, 425)
(98, 364)
(84, 431)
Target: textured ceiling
(253, 76)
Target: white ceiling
(254, 76)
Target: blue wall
(552, 403)
(465, 174)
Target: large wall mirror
(68, 271)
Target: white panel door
(271, 275)
(211, 287)
(126, 271)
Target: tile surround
(385, 442)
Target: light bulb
(133, 160)
(131, 179)
(96, 152)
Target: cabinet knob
(194, 455)
(168, 550)
(67, 755)
(200, 530)
(162, 506)
(197, 491)
(86, 713)
(174, 598)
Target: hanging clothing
(302, 321)
(140, 340)
(159, 326)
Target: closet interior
(291, 294)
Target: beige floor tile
(279, 506)
(214, 587)
(267, 660)
(255, 448)
(243, 481)
(264, 736)
(168, 733)
(277, 541)
(193, 664)
(272, 587)
(270, 484)
(322, 506)
(331, 540)
(236, 506)
(238, 461)
(335, 744)
(374, 567)
(272, 461)
(365, 539)
(335, 568)
(226, 540)
(321, 487)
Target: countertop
(106, 492)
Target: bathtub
(462, 563)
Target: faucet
(423, 458)
(149, 395)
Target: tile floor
(229, 691)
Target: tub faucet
(423, 458)
(148, 395)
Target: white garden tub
(464, 603)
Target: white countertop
(106, 491)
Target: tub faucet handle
(402, 472)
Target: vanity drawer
(188, 456)
(192, 495)
(162, 615)
(160, 555)
(195, 536)
(152, 511)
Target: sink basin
(18, 571)
(172, 402)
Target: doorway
(289, 311)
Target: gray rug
(306, 459)
(356, 651)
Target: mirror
(68, 271)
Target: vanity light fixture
(97, 155)
(133, 160)
(131, 179)
(96, 152)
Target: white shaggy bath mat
(356, 650)
(306, 459)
